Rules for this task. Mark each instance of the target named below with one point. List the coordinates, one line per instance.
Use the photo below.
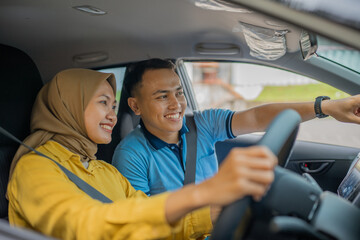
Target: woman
(71, 115)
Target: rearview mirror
(308, 45)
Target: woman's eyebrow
(104, 95)
(107, 97)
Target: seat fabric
(20, 81)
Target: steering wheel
(281, 135)
(279, 138)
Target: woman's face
(100, 116)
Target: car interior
(41, 38)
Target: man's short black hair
(135, 72)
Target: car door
(327, 164)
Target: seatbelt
(84, 186)
(191, 145)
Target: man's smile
(173, 116)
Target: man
(152, 157)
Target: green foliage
(297, 93)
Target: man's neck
(169, 138)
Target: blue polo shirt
(154, 166)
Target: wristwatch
(317, 106)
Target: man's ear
(133, 105)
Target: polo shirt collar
(156, 142)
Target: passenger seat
(20, 82)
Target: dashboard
(349, 188)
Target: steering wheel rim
(281, 134)
(279, 138)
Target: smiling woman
(58, 113)
(100, 116)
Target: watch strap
(317, 106)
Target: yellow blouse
(42, 198)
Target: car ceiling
(52, 32)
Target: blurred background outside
(238, 86)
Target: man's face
(159, 100)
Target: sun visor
(264, 43)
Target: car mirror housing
(308, 45)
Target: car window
(119, 73)
(238, 86)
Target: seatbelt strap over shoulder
(84, 186)
(191, 149)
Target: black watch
(317, 106)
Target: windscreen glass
(339, 54)
(344, 12)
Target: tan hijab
(58, 112)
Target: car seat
(20, 82)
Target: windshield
(339, 54)
(345, 12)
